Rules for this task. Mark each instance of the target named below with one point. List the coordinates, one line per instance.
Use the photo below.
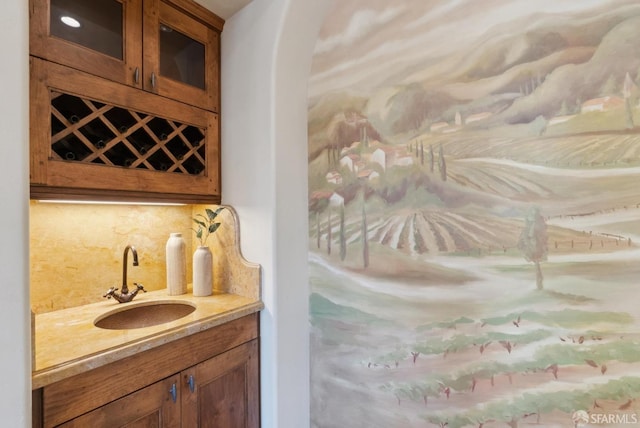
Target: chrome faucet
(124, 295)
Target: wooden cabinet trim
(83, 84)
(198, 12)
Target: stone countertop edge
(84, 346)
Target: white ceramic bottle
(202, 272)
(176, 265)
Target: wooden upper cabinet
(92, 138)
(168, 47)
(124, 100)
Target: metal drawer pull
(192, 383)
(174, 392)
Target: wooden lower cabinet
(151, 407)
(224, 391)
(221, 391)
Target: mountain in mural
(516, 76)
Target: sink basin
(143, 315)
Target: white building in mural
(382, 156)
(349, 161)
(334, 177)
(601, 104)
(458, 119)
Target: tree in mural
(533, 242)
(329, 225)
(365, 138)
(343, 239)
(627, 91)
(610, 86)
(318, 205)
(365, 239)
(442, 165)
(431, 159)
(318, 229)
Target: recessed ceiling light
(71, 22)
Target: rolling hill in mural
(474, 214)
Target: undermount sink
(143, 315)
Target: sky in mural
(364, 44)
(474, 214)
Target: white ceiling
(224, 8)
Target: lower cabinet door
(223, 391)
(156, 406)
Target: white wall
(267, 49)
(15, 395)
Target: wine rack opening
(91, 132)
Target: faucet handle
(140, 287)
(110, 292)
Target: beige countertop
(68, 343)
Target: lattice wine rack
(91, 132)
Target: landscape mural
(474, 214)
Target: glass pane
(95, 24)
(181, 57)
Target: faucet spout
(125, 296)
(125, 288)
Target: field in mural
(474, 216)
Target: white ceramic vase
(202, 271)
(176, 265)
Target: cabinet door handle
(153, 80)
(192, 383)
(136, 75)
(174, 392)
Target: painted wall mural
(474, 214)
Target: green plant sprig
(206, 225)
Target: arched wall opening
(267, 49)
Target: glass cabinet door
(97, 25)
(100, 37)
(180, 57)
